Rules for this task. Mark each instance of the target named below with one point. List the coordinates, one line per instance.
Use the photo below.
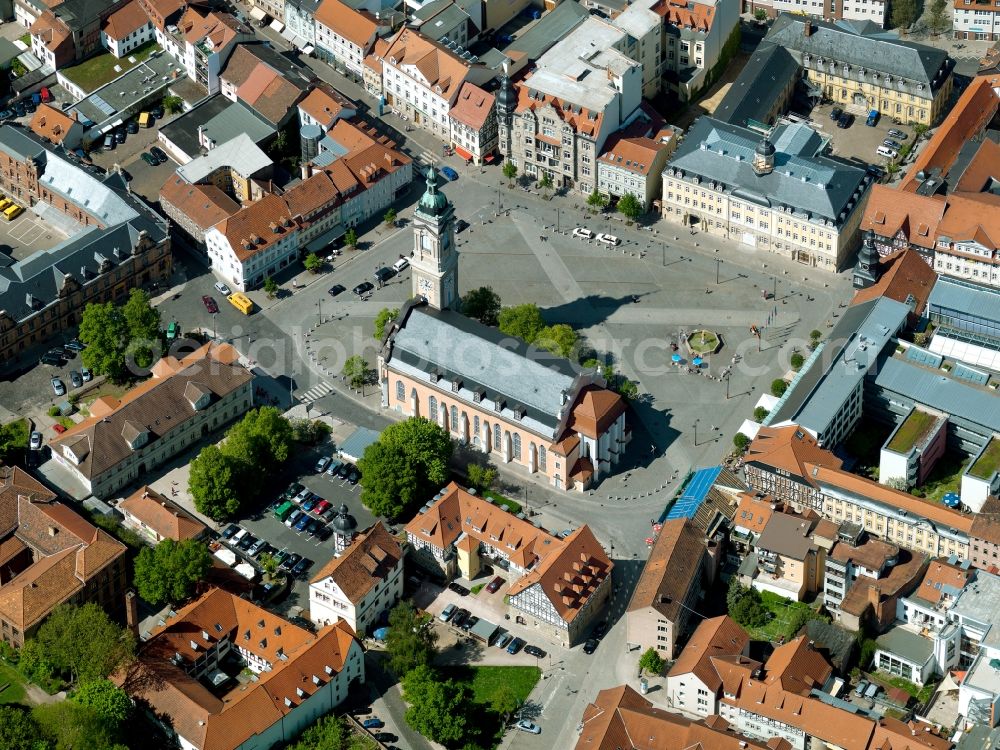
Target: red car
(210, 304)
(321, 507)
(494, 585)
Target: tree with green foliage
(169, 571)
(778, 387)
(13, 440)
(385, 316)
(560, 339)
(597, 200)
(437, 708)
(741, 441)
(904, 13)
(481, 476)
(103, 330)
(279, 144)
(404, 466)
(110, 702)
(18, 731)
(210, 482)
(329, 733)
(504, 702)
(72, 726)
(410, 644)
(745, 605)
(796, 361)
(263, 437)
(355, 371)
(390, 217)
(33, 662)
(937, 16)
(142, 325)
(545, 183)
(310, 431)
(760, 15)
(83, 643)
(482, 304)
(760, 414)
(510, 172)
(351, 238)
(269, 564)
(524, 321)
(651, 661)
(173, 104)
(630, 207)
(270, 287)
(312, 263)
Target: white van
(235, 540)
(400, 265)
(583, 233)
(609, 239)
(887, 152)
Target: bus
(282, 511)
(241, 302)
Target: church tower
(867, 269)
(506, 104)
(435, 259)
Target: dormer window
(497, 404)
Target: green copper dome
(432, 203)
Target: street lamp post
(696, 432)
(718, 263)
(557, 219)
(775, 295)
(319, 306)
(215, 327)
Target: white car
(583, 233)
(526, 726)
(608, 239)
(223, 289)
(400, 265)
(36, 441)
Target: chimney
(41, 121)
(307, 171)
(874, 596)
(53, 531)
(807, 28)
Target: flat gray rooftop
(144, 80)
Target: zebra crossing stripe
(316, 392)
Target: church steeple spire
(435, 259)
(867, 270)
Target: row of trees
(629, 205)
(122, 340)
(227, 477)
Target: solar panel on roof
(923, 357)
(965, 372)
(102, 105)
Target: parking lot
(857, 141)
(277, 534)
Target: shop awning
(277, 25)
(463, 153)
(308, 49)
(489, 158)
(326, 238)
(257, 14)
(118, 123)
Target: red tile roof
(355, 26)
(917, 216)
(904, 274)
(49, 122)
(372, 557)
(128, 18)
(439, 66)
(167, 519)
(472, 107)
(715, 637)
(583, 121)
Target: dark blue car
(450, 173)
(310, 503)
(300, 525)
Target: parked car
(336, 289)
(373, 723)
(835, 113)
(247, 542)
(334, 467)
(132, 126)
(608, 239)
(157, 112)
(503, 639)
(873, 118)
(149, 159)
(75, 378)
(470, 623)
(256, 547)
(228, 532)
(160, 154)
(292, 490)
(109, 142)
(861, 688)
(447, 613)
(35, 441)
(383, 274)
(322, 464)
(280, 556)
(590, 646)
(210, 304)
(354, 475)
(321, 507)
(872, 691)
(222, 288)
(515, 645)
(51, 359)
(534, 651)
(845, 120)
(310, 503)
(526, 726)
(301, 566)
(6, 114)
(400, 265)
(75, 344)
(58, 387)
(494, 585)
(86, 374)
(303, 495)
(363, 288)
(458, 588)
(892, 144)
(459, 617)
(324, 533)
(450, 173)
(293, 518)
(300, 525)
(291, 561)
(898, 134)
(120, 136)
(344, 470)
(583, 233)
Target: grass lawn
(511, 505)
(946, 477)
(989, 461)
(91, 74)
(703, 344)
(477, 588)
(107, 388)
(914, 429)
(781, 624)
(922, 694)
(66, 422)
(26, 39)
(484, 683)
(14, 693)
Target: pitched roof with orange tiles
(636, 155)
(438, 65)
(204, 205)
(160, 11)
(917, 216)
(753, 513)
(973, 217)
(882, 593)
(595, 410)
(942, 578)
(986, 524)
(872, 553)
(893, 734)
(619, 717)
(299, 662)
(473, 106)
(686, 15)
(582, 120)
(372, 557)
(49, 122)
(679, 546)
(127, 19)
(972, 112)
(257, 226)
(219, 28)
(325, 105)
(68, 550)
(52, 30)
(355, 26)
(714, 637)
(788, 448)
(167, 519)
(904, 274)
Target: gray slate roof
(906, 644)
(483, 357)
(222, 119)
(822, 186)
(759, 85)
(551, 27)
(861, 44)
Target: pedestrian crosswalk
(427, 157)
(316, 392)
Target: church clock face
(424, 287)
